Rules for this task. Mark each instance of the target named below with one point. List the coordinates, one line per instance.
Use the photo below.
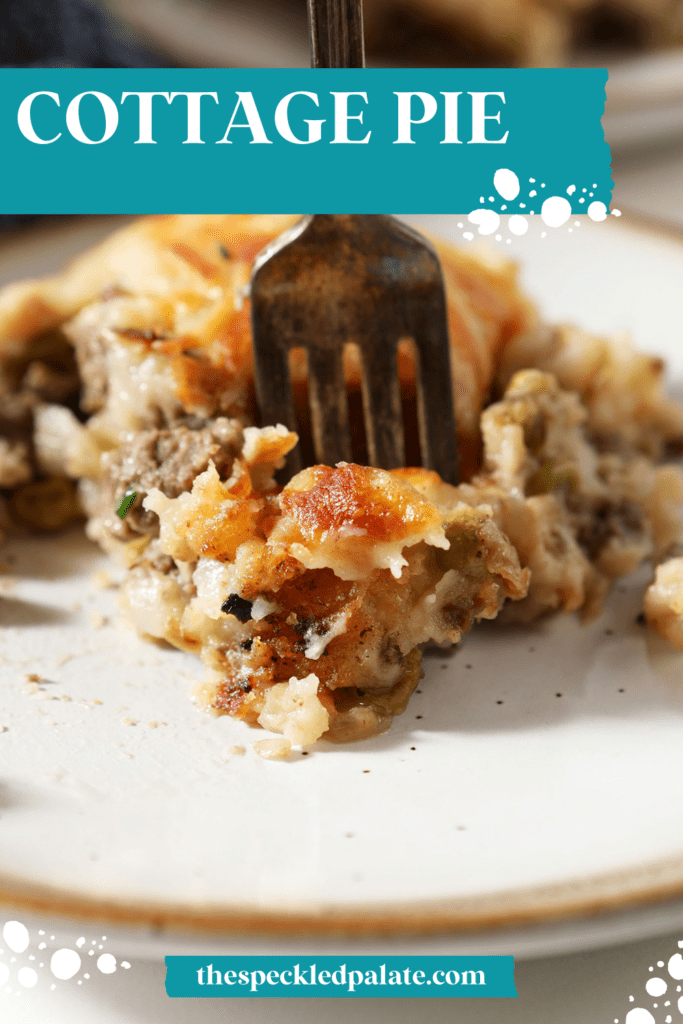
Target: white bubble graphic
(124, 963)
(487, 220)
(506, 184)
(15, 935)
(571, 190)
(65, 963)
(680, 1005)
(79, 942)
(106, 963)
(655, 987)
(468, 235)
(639, 1016)
(27, 977)
(518, 225)
(597, 211)
(555, 211)
(4, 974)
(675, 966)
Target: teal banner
(279, 141)
(339, 977)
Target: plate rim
(650, 885)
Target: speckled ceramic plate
(537, 774)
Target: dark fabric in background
(64, 33)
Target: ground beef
(165, 459)
(606, 520)
(52, 383)
(90, 348)
(15, 463)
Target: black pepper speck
(237, 606)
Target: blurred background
(639, 41)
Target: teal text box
(339, 977)
(550, 119)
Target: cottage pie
(310, 604)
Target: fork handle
(336, 29)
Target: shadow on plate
(16, 612)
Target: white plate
(644, 91)
(467, 817)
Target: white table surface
(581, 988)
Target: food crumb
(62, 660)
(129, 721)
(65, 696)
(44, 695)
(4, 728)
(640, 619)
(97, 621)
(32, 677)
(30, 688)
(272, 749)
(413, 748)
(499, 702)
(102, 580)
(236, 750)
(468, 666)
(348, 835)
(609, 632)
(153, 724)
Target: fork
(338, 279)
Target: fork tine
(438, 438)
(273, 382)
(329, 406)
(382, 403)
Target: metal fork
(367, 279)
